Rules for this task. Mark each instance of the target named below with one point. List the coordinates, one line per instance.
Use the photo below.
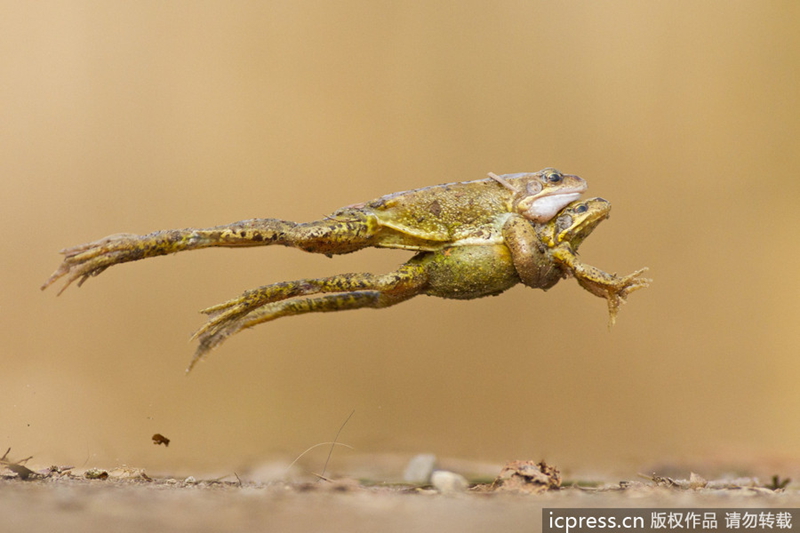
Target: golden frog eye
(554, 176)
(581, 208)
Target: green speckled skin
(457, 272)
(427, 219)
(473, 239)
(562, 237)
(430, 218)
(459, 213)
(468, 272)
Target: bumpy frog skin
(427, 219)
(473, 239)
(566, 232)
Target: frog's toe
(619, 296)
(79, 269)
(208, 340)
(634, 282)
(221, 315)
(88, 260)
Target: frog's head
(540, 195)
(576, 221)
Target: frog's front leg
(353, 291)
(533, 264)
(613, 288)
(345, 231)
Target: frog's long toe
(619, 295)
(634, 282)
(211, 337)
(220, 315)
(88, 260)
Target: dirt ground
(128, 499)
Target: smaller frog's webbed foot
(352, 291)
(617, 294)
(615, 289)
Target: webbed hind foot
(352, 291)
(345, 231)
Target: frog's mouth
(544, 208)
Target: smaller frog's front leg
(534, 265)
(613, 288)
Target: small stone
(190, 480)
(420, 468)
(95, 473)
(448, 482)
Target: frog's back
(432, 217)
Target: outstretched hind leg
(345, 231)
(352, 291)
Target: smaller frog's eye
(554, 176)
(581, 208)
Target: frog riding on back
(474, 239)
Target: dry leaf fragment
(697, 481)
(22, 471)
(158, 438)
(95, 473)
(528, 477)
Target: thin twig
(311, 448)
(336, 438)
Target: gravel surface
(127, 499)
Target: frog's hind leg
(350, 291)
(345, 231)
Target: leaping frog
(474, 239)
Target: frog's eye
(581, 208)
(554, 176)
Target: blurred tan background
(134, 117)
